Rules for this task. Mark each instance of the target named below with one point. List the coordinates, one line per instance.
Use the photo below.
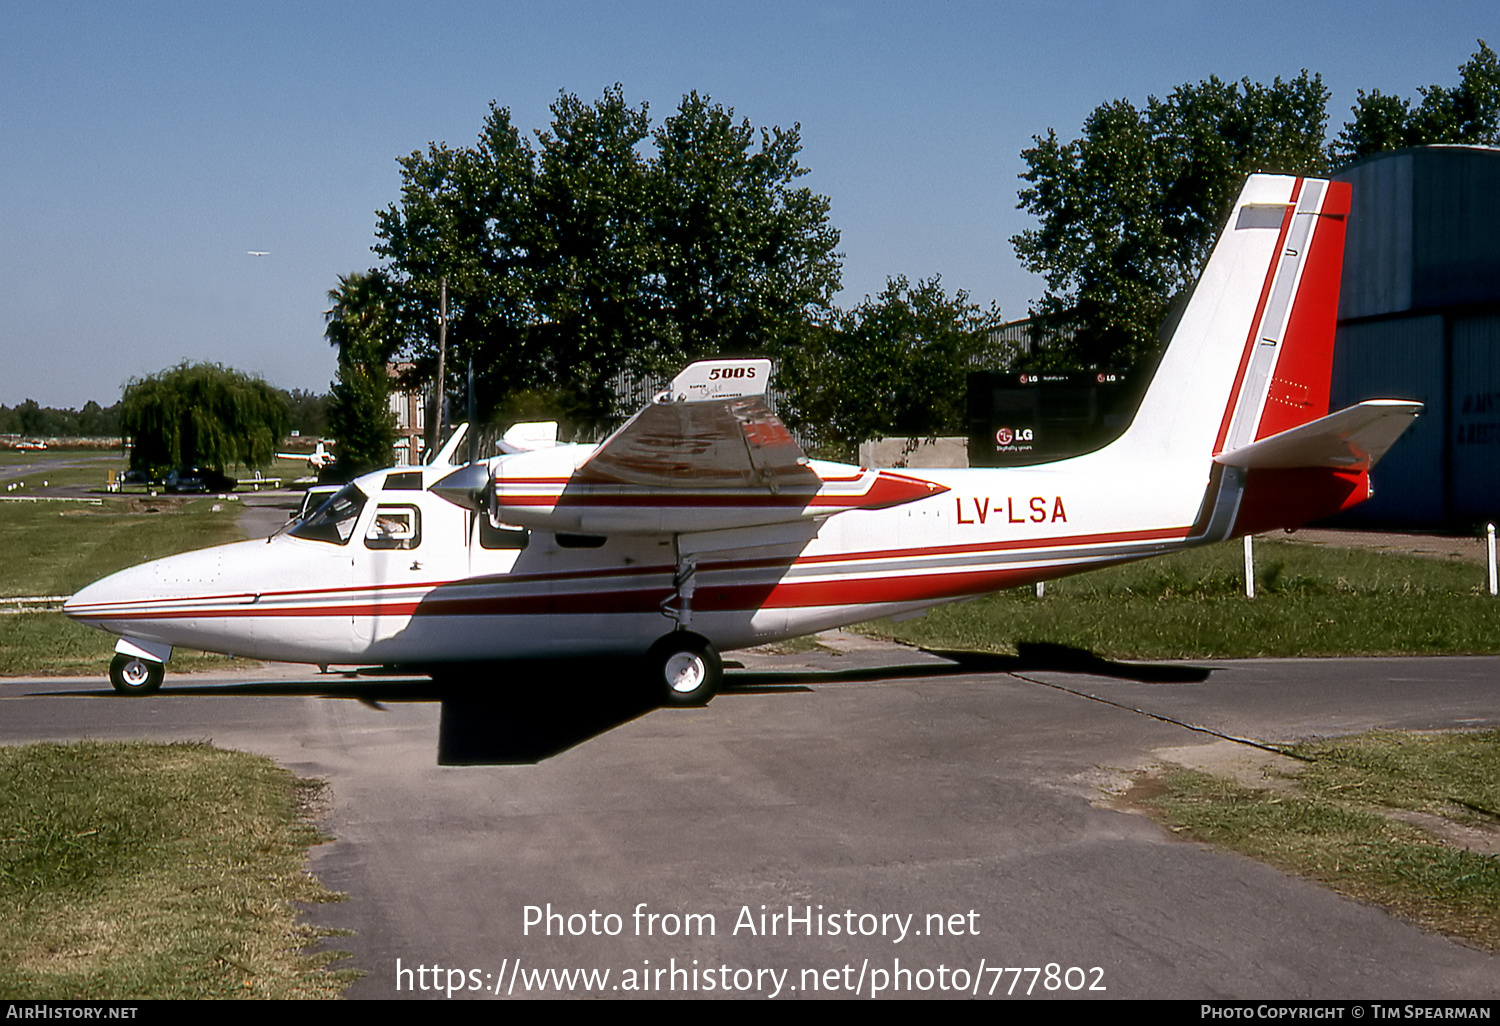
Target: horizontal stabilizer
(1352, 438)
(529, 437)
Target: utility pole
(437, 437)
(473, 430)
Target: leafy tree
(202, 414)
(36, 420)
(1466, 113)
(309, 411)
(744, 261)
(361, 325)
(604, 246)
(1129, 211)
(32, 419)
(895, 365)
(94, 421)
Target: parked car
(199, 479)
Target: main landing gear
(685, 669)
(132, 675)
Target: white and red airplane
(316, 460)
(700, 526)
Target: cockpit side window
(394, 527)
(335, 520)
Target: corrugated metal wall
(1398, 359)
(1456, 226)
(1475, 412)
(1377, 245)
(1419, 318)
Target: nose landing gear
(132, 675)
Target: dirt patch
(1249, 767)
(1430, 546)
(1128, 790)
(1480, 839)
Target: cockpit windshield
(334, 521)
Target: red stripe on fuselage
(779, 593)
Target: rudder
(1253, 352)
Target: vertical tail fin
(1253, 352)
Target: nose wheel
(132, 675)
(685, 669)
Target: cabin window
(581, 541)
(501, 536)
(394, 527)
(404, 481)
(334, 521)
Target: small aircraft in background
(317, 459)
(701, 526)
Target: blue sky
(145, 147)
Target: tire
(132, 675)
(685, 669)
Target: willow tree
(202, 414)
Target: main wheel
(685, 669)
(132, 675)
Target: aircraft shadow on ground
(1030, 657)
(522, 713)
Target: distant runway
(861, 791)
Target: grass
(1310, 601)
(156, 871)
(56, 548)
(1341, 823)
(91, 468)
(74, 468)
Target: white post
(1249, 568)
(1041, 587)
(1489, 545)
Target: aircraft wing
(1352, 438)
(715, 443)
(707, 456)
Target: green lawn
(55, 548)
(1310, 601)
(1345, 821)
(156, 871)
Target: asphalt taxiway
(854, 785)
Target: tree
(744, 262)
(309, 412)
(895, 365)
(94, 421)
(204, 414)
(36, 420)
(1129, 211)
(603, 247)
(361, 325)
(1466, 113)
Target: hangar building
(1419, 318)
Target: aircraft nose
(109, 594)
